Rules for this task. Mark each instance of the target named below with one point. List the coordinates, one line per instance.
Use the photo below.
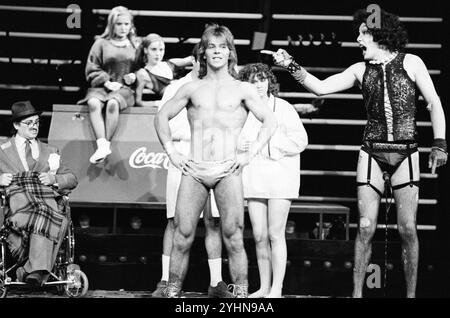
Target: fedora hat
(23, 109)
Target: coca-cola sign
(141, 159)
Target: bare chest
(223, 98)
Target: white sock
(165, 267)
(215, 271)
(103, 143)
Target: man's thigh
(230, 201)
(191, 199)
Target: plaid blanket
(33, 207)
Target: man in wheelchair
(33, 182)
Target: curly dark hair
(262, 72)
(391, 35)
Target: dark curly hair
(391, 35)
(262, 72)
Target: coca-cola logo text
(141, 159)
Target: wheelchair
(66, 277)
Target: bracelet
(440, 144)
(440, 149)
(298, 72)
(169, 147)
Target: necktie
(28, 156)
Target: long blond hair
(112, 18)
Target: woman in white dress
(272, 179)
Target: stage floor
(119, 294)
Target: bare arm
(142, 79)
(263, 114)
(335, 83)
(169, 110)
(182, 62)
(438, 155)
(426, 87)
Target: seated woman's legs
(98, 125)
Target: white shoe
(100, 155)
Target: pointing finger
(433, 167)
(269, 52)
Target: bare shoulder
(246, 88)
(190, 87)
(142, 75)
(357, 68)
(244, 85)
(413, 61)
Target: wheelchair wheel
(79, 284)
(3, 288)
(61, 289)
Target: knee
(276, 234)
(260, 237)
(407, 231)
(182, 240)
(234, 242)
(112, 107)
(94, 105)
(366, 228)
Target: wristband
(298, 72)
(440, 144)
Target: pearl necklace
(385, 60)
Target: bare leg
(230, 200)
(95, 115)
(407, 200)
(168, 237)
(258, 216)
(278, 215)
(192, 197)
(213, 243)
(368, 205)
(165, 259)
(213, 235)
(112, 118)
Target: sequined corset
(402, 96)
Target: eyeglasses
(31, 123)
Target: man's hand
(280, 57)
(129, 78)
(242, 159)
(5, 179)
(113, 86)
(180, 161)
(47, 178)
(436, 159)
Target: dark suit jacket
(10, 163)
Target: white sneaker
(100, 155)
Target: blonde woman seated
(272, 179)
